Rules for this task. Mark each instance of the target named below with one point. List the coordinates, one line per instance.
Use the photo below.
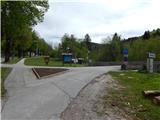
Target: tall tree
(115, 47)
(146, 35)
(87, 39)
(17, 15)
(76, 46)
(23, 42)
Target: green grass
(14, 60)
(4, 74)
(39, 61)
(131, 96)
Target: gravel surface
(89, 105)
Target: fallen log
(151, 93)
(156, 100)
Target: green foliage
(134, 83)
(76, 46)
(115, 47)
(146, 35)
(14, 60)
(110, 51)
(4, 73)
(138, 47)
(18, 17)
(56, 53)
(23, 41)
(44, 47)
(87, 40)
(39, 61)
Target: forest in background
(18, 38)
(138, 47)
(112, 47)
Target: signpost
(125, 59)
(150, 61)
(125, 51)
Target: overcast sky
(99, 18)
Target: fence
(131, 64)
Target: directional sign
(151, 55)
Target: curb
(51, 75)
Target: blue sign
(67, 58)
(125, 51)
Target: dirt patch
(47, 72)
(89, 104)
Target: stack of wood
(154, 95)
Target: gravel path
(89, 105)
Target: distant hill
(95, 46)
(140, 46)
(147, 35)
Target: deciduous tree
(17, 15)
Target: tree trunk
(7, 51)
(30, 53)
(23, 53)
(19, 53)
(35, 53)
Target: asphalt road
(44, 99)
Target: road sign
(125, 51)
(151, 55)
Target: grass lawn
(39, 61)
(14, 60)
(4, 74)
(131, 95)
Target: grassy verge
(4, 74)
(39, 61)
(14, 60)
(131, 98)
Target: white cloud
(99, 18)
